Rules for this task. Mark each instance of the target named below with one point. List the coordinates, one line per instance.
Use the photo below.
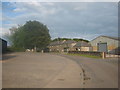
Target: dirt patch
(61, 79)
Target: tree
(30, 35)
(61, 39)
(77, 39)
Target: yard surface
(37, 70)
(98, 73)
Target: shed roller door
(102, 47)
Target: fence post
(103, 55)
(42, 51)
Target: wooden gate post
(42, 51)
(103, 55)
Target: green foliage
(85, 55)
(60, 39)
(30, 35)
(75, 39)
(9, 49)
(15, 49)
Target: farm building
(82, 46)
(68, 45)
(56, 46)
(3, 45)
(106, 44)
(61, 46)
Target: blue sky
(85, 20)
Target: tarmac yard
(42, 70)
(35, 70)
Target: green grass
(84, 55)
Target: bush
(14, 49)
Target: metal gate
(102, 47)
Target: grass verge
(85, 55)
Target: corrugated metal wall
(112, 44)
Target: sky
(85, 20)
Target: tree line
(75, 39)
(32, 34)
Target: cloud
(81, 6)
(3, 31)
(60, 0)
(34, 7)
(84, 20)
(50, 3)
(19, 9)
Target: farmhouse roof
(56, 43)
(61, 42)
(69, 42)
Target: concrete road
(98, 73)
(36, 70)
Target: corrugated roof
(3, 40)
(82, 44)
(115, 38)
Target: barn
(82, 46)
(106, 44)
(3, 45)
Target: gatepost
(103, 55)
